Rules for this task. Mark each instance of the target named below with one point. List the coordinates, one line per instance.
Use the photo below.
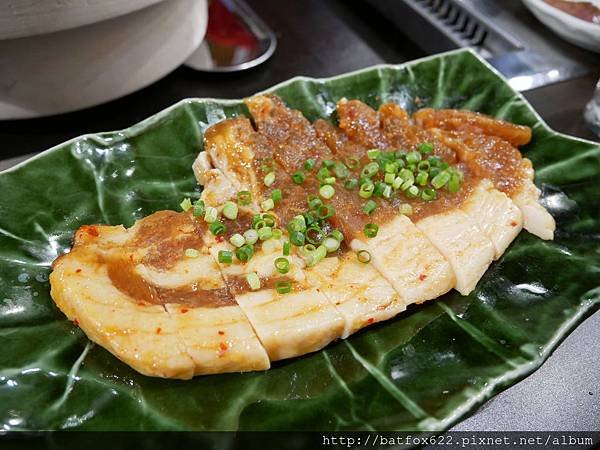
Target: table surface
(320, 39)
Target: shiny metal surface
(237, 39)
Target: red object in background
(226, 29)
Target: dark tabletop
(322, 38)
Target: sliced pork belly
(288, 325)
(495, 213)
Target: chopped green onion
(282, 265)
(310, 217)
(309, 164)
(363, 256)
(340, 170)
(276, 195)
(191, 253)
(371, 230)
(199, 208)
(352, 162)
(244, 197)
(397, 183)
(314, 234)
(314, 202)
(265, 233)
(389, 178)
(337, 235)
(454, 183)
(424, 165)
(406, 175)
(413, 157)
(373, 153)
(351, 184)
(323, 173)
(412, 192)
(267, 165)
(251, 236)
(268, 204)
(421, 178)
(269, 179)
(297, 238)
(407, 184)
(211, 214)
(329, 180)
(286, 248)
(440, 180)
(298, 223)
(428, 194)
(325, 212)
(406, 209)
(328, 163)
(366, 190)
(186, 204)
(230, 210)
(268, 218)
(379, 188)
(253, 281)
(391, 167)
(369, 207)
(308, 248)
(258, 224)
(400, 154)
(326, 191)
(277, 233)
(217, 228)
(412, 167)
(435, 161)
(225, 257)
(298, 177)
(331, 244)
(237, 240)
(283, 287)
(387, 192)
(370, 169)
(425, 147)
(313, 257)
(444, 165)
(245, 252)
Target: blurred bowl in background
(22, 18)
(92, 64)
(572, 29)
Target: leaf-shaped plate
(422, 371)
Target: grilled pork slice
(358, 291)
(289, 324)
(141, 334)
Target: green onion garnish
(413, 157)
(230, 210)
(370, 169)
(314, 234)
(337, 235)
(424, 165)
(245, 252)
(282, 265)
(314, 202)
(369, 207)
(352, 162)
(268, 204)
(276, 195)
(253, 281)
(412, 192)
(440, 180)
(363, 256)
(237, 240)
(389, 178)
(454, 183)
(326, 191)
(422, 178)
(323, 173)
(406, 209)
(298, 177)
(191, 253)
(277, 233)
(371, 230)
(258, 224)
(199, 208)
(244, 197)
(366, 190)
(286, 248)
(425, 147)
(391, 167)
(312, 257)
(283, 287)
(328, 163)
(397, 183)
(325, 212)
(379, 188)
(297, 238)
(217, 228)
(309, 164)
(351, 184)
(373, 153)
(341, 171)
(331, 244)
(186, 204)
(225, 257)
(387, 191)
(211, 214)
(329, 180)
(251, 236)
(265, 233)
(269, 179)
(428, 194)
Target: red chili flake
(222, 349)
(219, 238)
(221, 332)
(370, 320)
(513, 223)
(78, 270)
(91, 230)
(422, 277)
(184, 310)
(158, 330)
(75, 322)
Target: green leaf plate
(421, 371)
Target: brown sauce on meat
(239, 285)
(582, 10)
